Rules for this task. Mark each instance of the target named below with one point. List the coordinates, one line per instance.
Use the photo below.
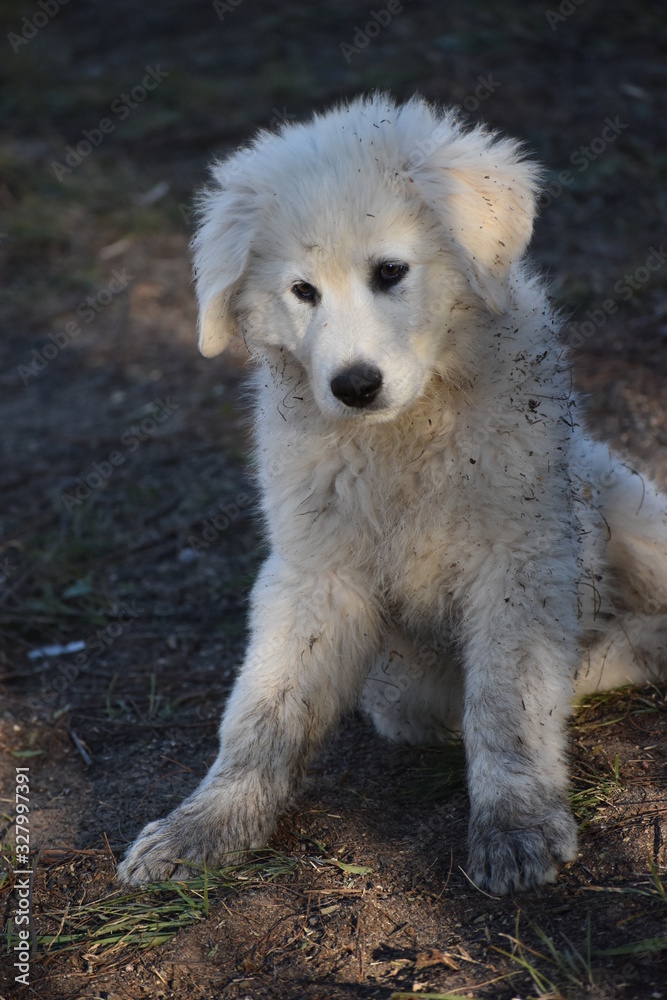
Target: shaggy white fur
(446, 542)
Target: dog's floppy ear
(220, 250)
(484, 192)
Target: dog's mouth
(378, 410)
(377, 414)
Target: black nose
(357, 385)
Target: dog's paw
(525, 854)
(194, 835)
(153, 857)
(174, 848)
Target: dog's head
(351, 241)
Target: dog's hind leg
(414, 693)
(630, 511)
(633, 650)
(625, 522)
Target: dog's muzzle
(357, 385)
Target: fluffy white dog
(446, 543)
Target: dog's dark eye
(389, 273)
(304, 291)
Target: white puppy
(444, 537)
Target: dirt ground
(120, 444)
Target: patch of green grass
(596, 787)
(151, 915)
(561, 971)
(58, 588)
(631, 700)
(658, 890)
(646, 945)
(556, 972)
(441, 773)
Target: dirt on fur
(127, 519)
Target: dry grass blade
(653, 888)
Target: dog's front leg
(519, 658)
(312, 636)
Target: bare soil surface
(120, 446)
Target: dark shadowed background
(127, 539)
